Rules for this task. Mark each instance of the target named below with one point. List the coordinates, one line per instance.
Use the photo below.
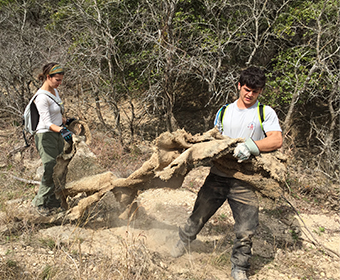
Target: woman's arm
(55, 128)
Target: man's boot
(237, 273)
(179, 249)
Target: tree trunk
(171, 121)
(288, 120)
(98, 110)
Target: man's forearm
(272, 142)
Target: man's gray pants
(244, 205)
(49, 146)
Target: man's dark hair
(253, 77)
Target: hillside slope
(105, 245)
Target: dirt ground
(282, 248)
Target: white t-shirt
(245, 123)
(49, 111)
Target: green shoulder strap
(222, 114)
(260, 110)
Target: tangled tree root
(175, 155)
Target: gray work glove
(244, 150)
(67, 135)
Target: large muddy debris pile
(175, 155)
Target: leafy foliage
(132, 52)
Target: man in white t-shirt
(239, 119)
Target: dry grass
(110, 151)
(30, 255)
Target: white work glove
(244, 150)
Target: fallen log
(175, 155)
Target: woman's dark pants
(49, 146)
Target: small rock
(14, 201)
(17, 157)
(163, 265)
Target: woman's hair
(253, 77)
(50, 69)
